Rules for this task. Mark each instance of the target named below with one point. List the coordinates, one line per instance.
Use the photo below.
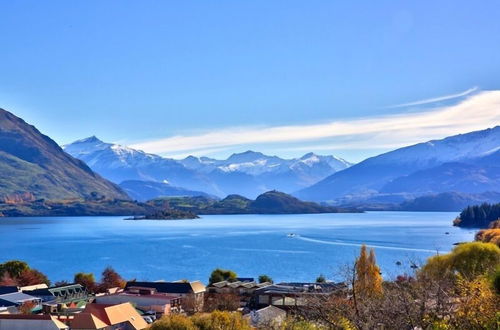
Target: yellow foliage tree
(368, 281)
(174, 322)
(477, 305)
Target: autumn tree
(7, 280)
(111, 279)
(469, 260)
(221, 301)
(221, 320)
(86, 280)
(368, 279)
(173, 322)
(31, 277)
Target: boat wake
(320, 241)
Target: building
(146, 299)
(243, 289)
(191, 293)
(25, 322)
(17, 299)
(108, 317)
(288, 295)
(64, 294)
(269, 317)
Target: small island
(169, 214)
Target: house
(108, 317)
(24, 322)
(288, 295)
(17, 299)
(146, 299)
(269, 317)
(191, 293)
(243, 289)
(63, 294)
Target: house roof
(8, 289)
(17, 297)
(170, 287)
(96, 316)
(87, 321)
(34, 317)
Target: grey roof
(17, 297)
(296, 287)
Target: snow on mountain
(248, 173)
(373, 174)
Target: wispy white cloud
(436, 99)
(478, 111)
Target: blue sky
(167, 76)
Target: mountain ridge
(34, 166)
(249, 173)
(371, 175)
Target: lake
(248, 244)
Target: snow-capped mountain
(256, 163)
(400, 170)
(248, 173)
(119, 163)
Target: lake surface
(248, 244)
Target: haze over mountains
(248, 173)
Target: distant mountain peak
(90, 139)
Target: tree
(173, 322)
(111, 279)
(368, 279)
(221, 321)
(32, 277)
(265, 278)
(87, 280)
(477, 305)
(219, 275)
(374, 275)
(7, 280)
(13, 267)
(321, 278)
(221, 302)
(469, 260)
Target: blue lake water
(249, 244)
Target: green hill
(33, 166)
(271, 202)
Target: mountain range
(248, 173)
(33, 166)
(466, 163)
(436, 175)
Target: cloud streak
(435, 99)
(479, 111)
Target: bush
(174, 322)
(469, 260)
